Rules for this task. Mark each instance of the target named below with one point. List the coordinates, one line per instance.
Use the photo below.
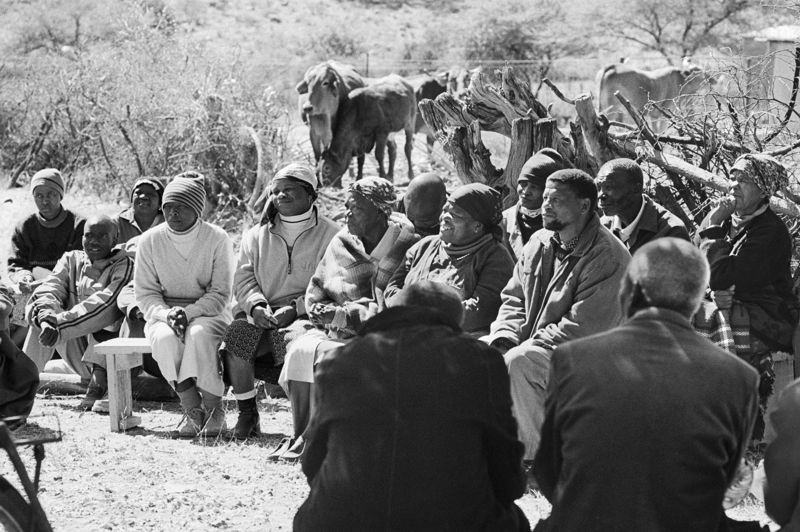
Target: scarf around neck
(739, 222)
(455, 252)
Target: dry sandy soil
(146, 479)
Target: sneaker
(194, 418)
(101, 406)
(248, 425)
(93, 394)
(215, 424)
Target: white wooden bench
(122, 355)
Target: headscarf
(378, 191)
(301, 173)
(483, 203)
(540, 165)
(766, 172)
(187, 189)
(49, 178)
(153, 182)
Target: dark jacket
(757, 262)
(656, 222)
(645, 426)
(412, 431)
(782, 461)
(479, 277)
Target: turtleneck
(290, 227)
(53, 222)
(184, 241)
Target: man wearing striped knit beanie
(182, 282)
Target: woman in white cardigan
(183, 279)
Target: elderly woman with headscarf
(144, 211)
(468, 254)
(345, 290)
(749, 249)
(182, 280)
(276, 261)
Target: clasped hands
(264, 318)
(177, 321)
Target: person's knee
(530, 364)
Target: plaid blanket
(344, 290)
(729, 329)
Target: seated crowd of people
(440, 353)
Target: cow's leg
(392, 145)
(360, 161)
(380, 145)
(409, 146)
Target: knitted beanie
(152, 181)
(187, 189)
(301, 172)
(49, 178)
(540, 165)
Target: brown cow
(369, 117)
(425, 87)
(327, 86)
(663, 85)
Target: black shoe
(248, 425)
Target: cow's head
(696, 79)
(456, 81)
(331, 166)
(323, 86)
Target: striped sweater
(81, 295)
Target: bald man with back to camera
(646, 423)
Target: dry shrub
(141, 103)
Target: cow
(369, 117)
(425, 87)
(326, 87)
(457, 81)
(663, 85)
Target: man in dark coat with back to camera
(630, 213)
(646, 423)
(413, 427)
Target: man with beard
(76, 306)
(629, 213)
(563, 287)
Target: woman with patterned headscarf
(749, 249)
(468, 254)
(345, 290)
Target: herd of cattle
(348, 115)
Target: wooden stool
(122, 355)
